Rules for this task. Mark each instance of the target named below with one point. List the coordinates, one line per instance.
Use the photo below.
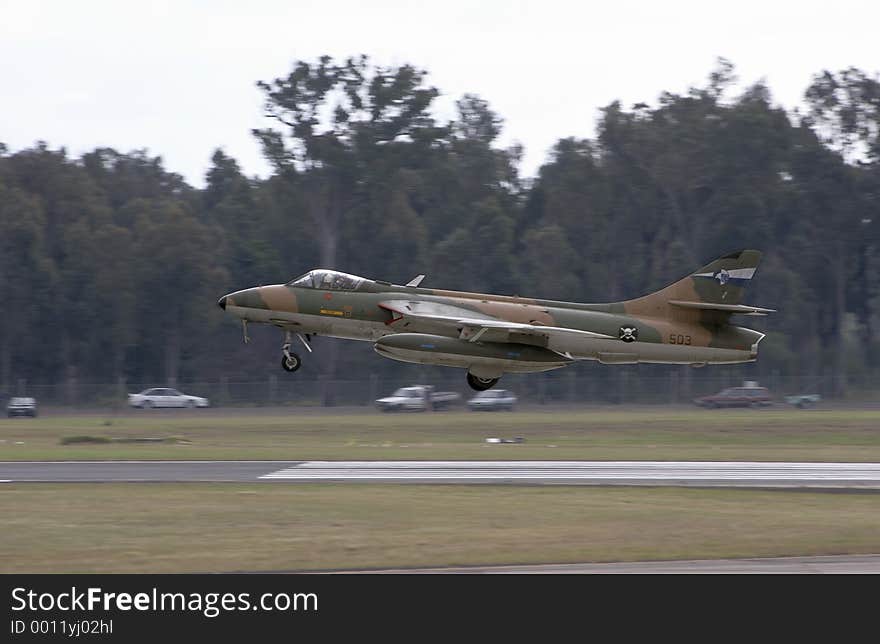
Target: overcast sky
(177, 76)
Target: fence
(619, 385)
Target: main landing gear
(289, 360)
(480, 384)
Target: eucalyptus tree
(336, 120)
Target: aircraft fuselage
(670, 336)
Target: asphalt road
(833, 565)
(666, 473)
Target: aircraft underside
(485, 362)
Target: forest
(111, 265)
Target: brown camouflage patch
(279, 298)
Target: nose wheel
(289, 361)
(481, 384)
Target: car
(165, 397)
(492, 400)
(803, 401)
(416, 397)
(22, 407)
(737, 397)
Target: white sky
(178, 76)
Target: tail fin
(717, 287)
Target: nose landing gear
(291, 361)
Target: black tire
(480, 384)
(191, 404)
(291, 362)
(147, 404)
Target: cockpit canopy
(327, 280)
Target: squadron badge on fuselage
(629, 333)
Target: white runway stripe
(683, 473)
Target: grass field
(290, 434)
(234, 527)
(227, 527)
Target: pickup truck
(803, 401)
(417, 398)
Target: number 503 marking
(679, 339)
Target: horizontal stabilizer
(743, 309)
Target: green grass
(233, 527)
(649, 434)
(227, 527)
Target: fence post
(327, 399)
(686, 383)
(224, 390)
(120, 393)
(374, 388)
(70, 388)
(273, 388)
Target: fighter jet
(687, 322)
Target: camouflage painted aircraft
(687, 322)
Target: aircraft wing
(473, 326)
(744, 309)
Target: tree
(178, 276)
(336, 119)
(24, 276)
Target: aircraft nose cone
(222, 302)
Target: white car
(163, 397)
(493, 400)
(22, 407)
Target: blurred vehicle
(164, 397)
(802, 401)
(737, 397)
(492, 400)
(22, 407)
(417, 398)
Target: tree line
(111, 265)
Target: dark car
(737, 397)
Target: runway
(653, 473)
(829, 565)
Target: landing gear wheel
(481, 384)
(290, 361)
